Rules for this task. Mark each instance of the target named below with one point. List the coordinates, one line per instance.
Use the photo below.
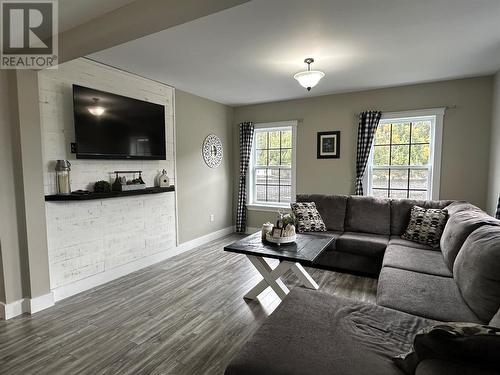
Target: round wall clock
(212, 151)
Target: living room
(199, 189)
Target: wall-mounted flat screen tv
(110, 126)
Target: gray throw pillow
(426, 226)
(469, 343)
(308, 217)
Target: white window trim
(437, 115)
(250, 176)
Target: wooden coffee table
(292, 257)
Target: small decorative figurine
(163, 180)
(267, 228)
(289, 230)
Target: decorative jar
(266, 228)
(63, 168)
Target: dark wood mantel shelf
(113, 194)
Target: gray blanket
(314, 333)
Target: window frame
(436, 116)
(271, 206)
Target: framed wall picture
(328, 145)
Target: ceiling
(73, 13)
(249, 53)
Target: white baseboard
(39, 303)
(110, 275)
(26, 305)
(204, 239)
(10, 310)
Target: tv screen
(110, 126)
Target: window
(272, 165)
(406, 156)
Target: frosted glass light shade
(309, 78)
(97, 110)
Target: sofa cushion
(477, 271)
(308, 217)
(315, 333)
(368, 215)
(459, 226)
(426, 226)
(458, 206)
(348, 262)
(367, 244)
(332, 208)
(397, 240)
(429, 296)
(417, 260)
(401, 208)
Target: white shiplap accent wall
(92, 238)
(58, 131)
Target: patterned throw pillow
(308, 217)
(426, 226)
(471, 343)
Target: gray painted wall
(494, 182)
(201, 190)
(465, 152)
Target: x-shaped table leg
(271, 277)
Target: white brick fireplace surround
(92, 242)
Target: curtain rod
(451, 106)
(446, 107)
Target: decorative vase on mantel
(63, 185)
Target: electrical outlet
(212, 218)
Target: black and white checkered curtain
(497, 215)
(368, 123)
(246, 137)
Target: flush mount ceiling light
(309, 78)
(96, 109)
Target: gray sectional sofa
(364, 227)
(314, 333)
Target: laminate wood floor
(185, 315)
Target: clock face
(212, 151)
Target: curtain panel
(368, 123)
(246, 138)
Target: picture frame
(276, 232)
(328, 145)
